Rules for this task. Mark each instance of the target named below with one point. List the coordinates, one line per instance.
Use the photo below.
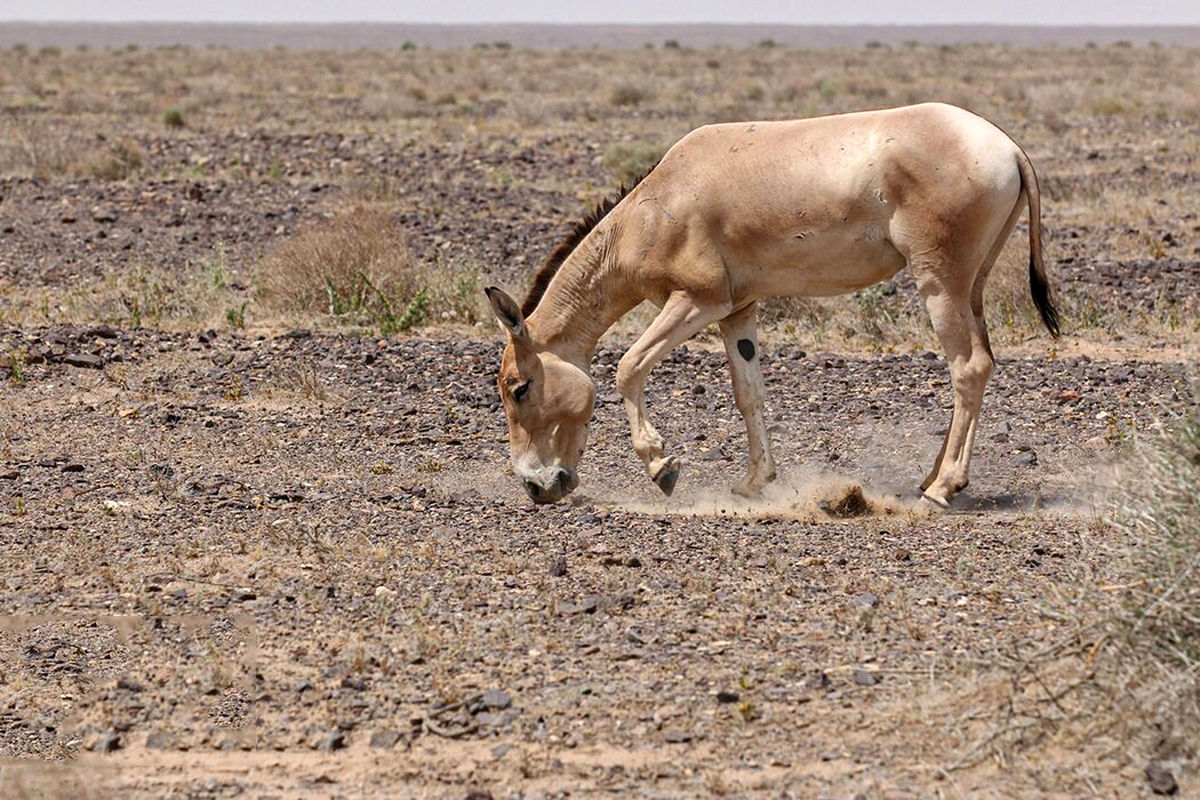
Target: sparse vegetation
(357, 268)
(631, 161)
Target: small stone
(677, 736)
(817, 680)
(243, 595)
(1026, 459)
(10, 475)
(500, 750)
(865, 600)
(72, 467)
(160, 741)
(107, 743)
(558, 566)
(1161, 780)
(385, 740)
(864, 678)
(103, 332)
(83, 360)
(354, 682)
(384, 593)
(496, 700)
(334, 740)
(725, 696)
(129, 685)
(222, 359)
(104, 214)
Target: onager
(737, 212)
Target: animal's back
(805, 207)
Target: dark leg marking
(746, 348)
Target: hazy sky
(1016, 12)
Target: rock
(588, 605)
(243, 595)
(865, 600)
(354, 682)
(1161, 780)
(72, 466)
(558, 566)
(106, 743)
(500, 750)
(383, 593)
(385, 740)
(725, 696)
(129, 685)
(818, 680)
(10, 475)
(864, 678)
(103, 332)
(677, 736)
(104, 214)
(84, 360)
(222, 359)
(160, 740)
(496, 700)
(334, 740)
(1026, 459)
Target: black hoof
(666, 477)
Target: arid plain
(258, 531)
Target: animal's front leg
(680, 319)
(740, 332)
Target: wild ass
(738, 212)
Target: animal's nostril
(535, 491)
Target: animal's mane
(579, 231)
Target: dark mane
(579, 231)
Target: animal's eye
(520, 392)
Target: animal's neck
(583, 300)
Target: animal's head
(547, 401)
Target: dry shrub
(113, 162)
(628, 95)
(1156, 629)
(30, 148)
(1122, 685)
(629, 162)
(357, 268)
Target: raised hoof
(667, 475)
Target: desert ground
(258, 530)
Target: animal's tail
(1039, 287)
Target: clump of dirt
(848, 502)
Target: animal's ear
(507, 312)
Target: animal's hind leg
(739, 330)
(681, 318)
(969, 357)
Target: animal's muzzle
(561, 483)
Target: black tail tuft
(1041, 298)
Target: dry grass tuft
(1122, 686)
(357, 268)
(29, 148)
(1156, 629)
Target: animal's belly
(818, 266)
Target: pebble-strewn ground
(211, 559)
(264, 556)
